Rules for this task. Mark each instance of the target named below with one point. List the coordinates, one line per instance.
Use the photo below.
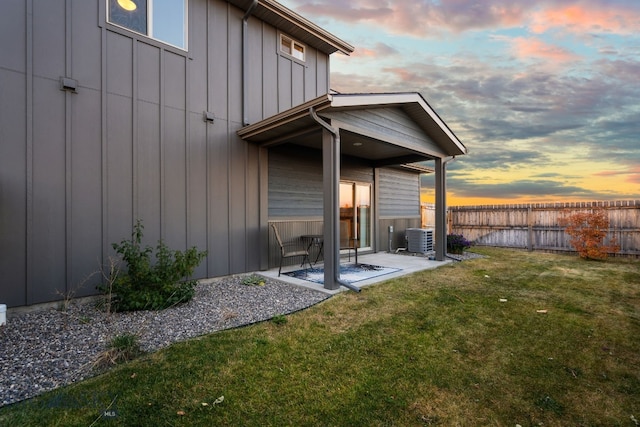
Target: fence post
(530, 228)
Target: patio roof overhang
(386, 129)
(394, 129)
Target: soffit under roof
(295, 25)
(382, 145)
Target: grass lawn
(439, 347)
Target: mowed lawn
(513, 338)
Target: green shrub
(149, 286)
(253, 280)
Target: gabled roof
(296, 26)
(385, 128)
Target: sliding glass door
(355, 214)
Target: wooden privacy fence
(536, 225)
(428, 215)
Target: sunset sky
(545, 94)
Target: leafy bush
(587, 231)
(456, 243)
(148, 286)
(253, 280)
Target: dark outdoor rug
(349, 273)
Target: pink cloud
(377, 51)
(609, 173)
(532, 47)
(578, 18)
(632, 175)
(428, 17)
(419, 17)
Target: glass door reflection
(355, 214)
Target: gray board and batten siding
(295, 196)
(78, 168)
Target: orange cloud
(532, 47)
(632, 175)
(580, 19)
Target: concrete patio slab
(407, 263)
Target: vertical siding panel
(147, 167)
(85, 40)
(254, 71)
(253, 209)
(234, 64)
(197, 82)
(237, 204)
(148, 78)
(218, 199)
(13, 190)
(119, 137)
(119, 168)
(269, 71)
(174, 153)
(49, 188)
(197, 217)
(197, 143)
(323, 74)
(148, 201)
(217, 59)
(174, 191)
(284, 84)
(297, 81)
(13, 33)
(49, 39)
(86, 195)
(311, 75)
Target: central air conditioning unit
(420, 240)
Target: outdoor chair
(349, 245)
(284, 253)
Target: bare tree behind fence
(537, 226)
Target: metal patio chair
(285, 253)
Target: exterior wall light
(127, 5)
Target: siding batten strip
(29, 155)
(68, 144)
(103, 140)
(134, 132)
(187, 138)
(162, 141)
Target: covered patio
(381, 129)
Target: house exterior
(206, 119)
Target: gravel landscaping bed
(50, 348)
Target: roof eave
(397, 98)
(285, 19)
(284, 117)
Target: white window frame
(292, 44)
(150, 25)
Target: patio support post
(331, 204)
(441, 209)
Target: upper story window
(163, 20)
(292, 47)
